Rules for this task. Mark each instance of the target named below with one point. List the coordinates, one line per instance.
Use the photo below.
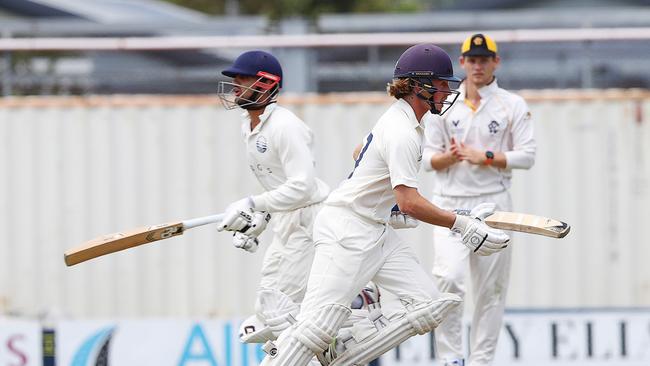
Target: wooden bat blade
(527, 223)
(116, 242)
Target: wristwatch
(489, 157)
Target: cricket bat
(524, 223)
(527, 223)
(116, 242)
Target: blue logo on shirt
(261, 144)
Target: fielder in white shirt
(279, 150)
(355, 245)
(472, 150)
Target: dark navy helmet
(251, 63)
(425, 60)
(422, 64)
(258, 64)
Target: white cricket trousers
(288, 259)
(350, 252)
(489, 277)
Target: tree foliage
(279, 9)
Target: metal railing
(313, 40)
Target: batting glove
(400, 220)
(476, 235)
(258, 223)
(240, 216)
(483, 210)
(245, 242)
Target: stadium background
(83, 155)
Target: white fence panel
(76, 168)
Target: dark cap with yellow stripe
(479, 45)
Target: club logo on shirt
(456, 131)
(261, 144)
(494, 127)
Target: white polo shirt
(280, 154)
(501, 123)
(391, 156)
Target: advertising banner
(531, 338)
(537, 338)
(154, 342)
(20, 342)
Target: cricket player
(355, 245)
(280, 154)
(472, 150)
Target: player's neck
(471, 92)
(417, 105)
(255, 117)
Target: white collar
(484, 91)
(405, 107)
(268, 110)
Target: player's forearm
(442, 161)
(425, 211)
(413, 204)
(355, 153)
(500, 160)
(293, 194)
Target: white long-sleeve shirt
(501, 123)
(390, 156)
(280, 154)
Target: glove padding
(241, 217)
(483, 210)
(400, 220)
(245, 242)
(476, 235)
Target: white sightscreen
(77, 168)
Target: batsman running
(354, 244)
(279, 151)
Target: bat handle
(199, 221)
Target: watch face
(489, 154)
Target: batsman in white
(279, 150)
(473, 150)
(355, 245)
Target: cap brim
(231, 72)
(430, 75)
(479, 52)
(450, 78)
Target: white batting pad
(297, 345)
(419, 319)
(253, 330)
(276, 309)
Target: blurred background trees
(306, 8)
